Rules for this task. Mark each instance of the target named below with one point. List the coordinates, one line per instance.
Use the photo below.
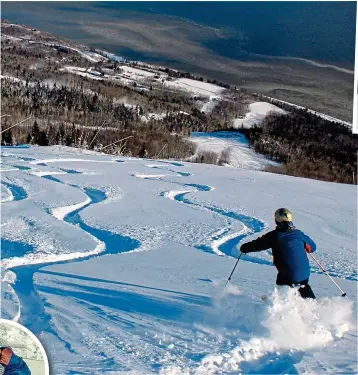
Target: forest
(308, 146)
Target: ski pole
(233, 270)
(343, 293)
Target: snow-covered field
(195, 87)
(119, 266)
(257, 113)
(84, 72)
(241, 155)
(136, 74)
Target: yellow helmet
(283, 215)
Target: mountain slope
(119, 266)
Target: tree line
(307, 145)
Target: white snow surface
(257, 113)
(241, 155)
(11, 78)
(195, 87)
(137, 74)
(207, 107)
(92, 56)
(319, 114)
(84, 72)
(120, 266)
(6, 194)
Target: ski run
(118, 265)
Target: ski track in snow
(17, 192)
(222, 245)
(158, 166)
(48, 161)
(225, 244)
(6, 194)
(108, 243)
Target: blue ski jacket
(289, 249)
(13, 364)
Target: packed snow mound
(257, 113)
(286, 323)
(9, 277)
(6, 195)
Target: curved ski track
(225, 242)
(30, 304)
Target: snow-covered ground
(207, 107)
(257, 113)
(241, 155)
(319, 114)
(119, 266)
(127, 77)
(10, 37)
(12, 78)
(195, 87)
(91, 56)
(84, 72)
(212, 93)
(136, 74)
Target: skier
(12, 364)
(289, 246)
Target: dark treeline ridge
(308, 145)
(87, 114)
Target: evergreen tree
(7, 138)
(142, 153)
(42, 139)
(35, 133)
(60, 136)
(29, 139)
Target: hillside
(63, 85)
(63, 93)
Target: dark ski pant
(305, 290)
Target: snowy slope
(319, 114)
(257, 113)
(195, 87)
(241, 155)
(119, 265)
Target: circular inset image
(21, 353)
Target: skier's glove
(308, 248)
(5, 356)
(244, 249)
